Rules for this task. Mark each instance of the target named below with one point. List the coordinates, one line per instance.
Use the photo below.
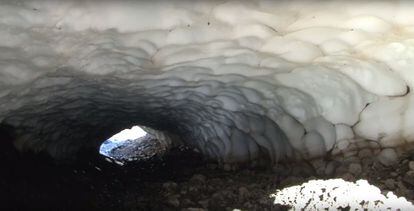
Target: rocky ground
(180, 180)
(398, 178)
(140, 149)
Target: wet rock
(216, 196)
(193, 209)
(355, 168)
(387, 157)
(390, 184)
(352, 159)
(173, 201)
(341, 170)
(351, 153)
(348, 177)
(183, 191)
(198, 178)
(291, 181)
(403, 190)
(212, 166)
(187, 202)
(204, 203)
(247, 172)
(411, 165)
(247, 204)
(409, 178)
(265, 201)
(170, 185)
(330, 168)
(318, 163)
(227, 167)
(243, 192)
(365, 153)
(193, 189)
(300, 170)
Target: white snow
(132, 133)
(336, 194)
(393, 118)
(343, 132)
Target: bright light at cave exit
(120, 138)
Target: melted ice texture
(232, 75)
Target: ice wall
(238, 80)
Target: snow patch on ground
(335, 194)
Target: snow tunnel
(242, 82)
(270, 84)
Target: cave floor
(180, 180)
(177, 181)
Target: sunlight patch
(121, 138)
(338, 194)
(128, 134)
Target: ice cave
(247, 105)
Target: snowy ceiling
(238, 80)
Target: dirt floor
(179, 180)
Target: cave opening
(131, 144)
(124, 137)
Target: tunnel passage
(83, 111)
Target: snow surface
(234, 78)
(132, 133)
(337, 194)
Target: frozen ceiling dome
(237, 80)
